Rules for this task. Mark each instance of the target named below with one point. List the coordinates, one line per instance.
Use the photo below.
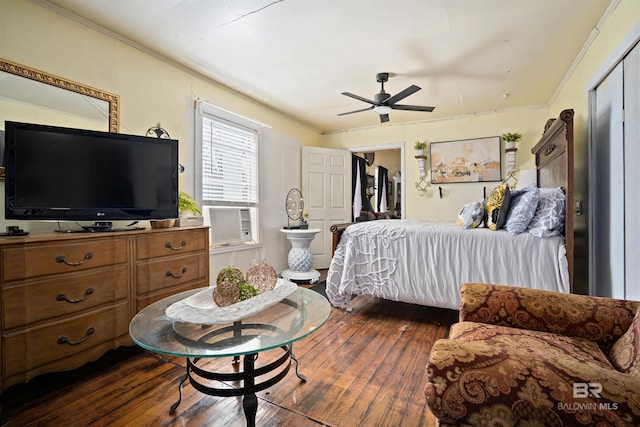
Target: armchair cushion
(525, 357)
(602, 320)
(625, 353)
(533, 344)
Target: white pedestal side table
(300, 257)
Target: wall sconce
(423, 183)
(510, 150)
(158, 132)
(422, 165)
(511, 179)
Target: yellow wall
(155, 90)
(529, 123)
(151, 89)
(611, 34)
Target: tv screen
(56, 173)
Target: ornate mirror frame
(50, 79)
(111, 99)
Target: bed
(425, 262)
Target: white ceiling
(297, 56)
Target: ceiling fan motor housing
(382, 77)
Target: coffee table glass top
(291, 319)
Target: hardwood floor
(364, 368)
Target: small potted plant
(419, 146)
(510, 139)
(188, 211)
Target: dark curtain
(383, 189)
(359, 192)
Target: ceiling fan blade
(403, 94)
(356, 111)
(384, 118)
(359, 98)
(411, 107)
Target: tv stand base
(99, 227)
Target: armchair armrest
(598, 319)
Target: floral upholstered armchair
(528, 357)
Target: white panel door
(632, 172)
(326, 188)
(607, 184)
(614, 194)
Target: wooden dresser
(66, 299)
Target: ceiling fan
(383, 102)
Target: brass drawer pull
(60, 259)
(63, 297)
(168, 245)
(64, 340)
(170, 273)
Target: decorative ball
(262, 277)
(230, 274)
(226, 293)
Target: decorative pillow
(471, 215)
(549, 217)
(522, 209)
(625, 353)
(498, 207)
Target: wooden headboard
(554, 165)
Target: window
(228, 184)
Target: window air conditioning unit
(229, 225)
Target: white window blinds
(229, 163)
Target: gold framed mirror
(23, 86)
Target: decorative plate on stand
(294, 205)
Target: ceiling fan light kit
(383, 103)
(382, 109)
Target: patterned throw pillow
(625, 353)
(549, 217)
(522, 209)
(498, 207)
(471, 215)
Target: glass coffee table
(274, 328)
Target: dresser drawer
(171, 243)
(62, 257)
(31, 349)
(63, 295)
(158, 274)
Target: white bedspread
(426, 262)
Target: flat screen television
(57, 173)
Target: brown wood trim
(556, 145)
(336, 233)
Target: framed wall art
(467, 160)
